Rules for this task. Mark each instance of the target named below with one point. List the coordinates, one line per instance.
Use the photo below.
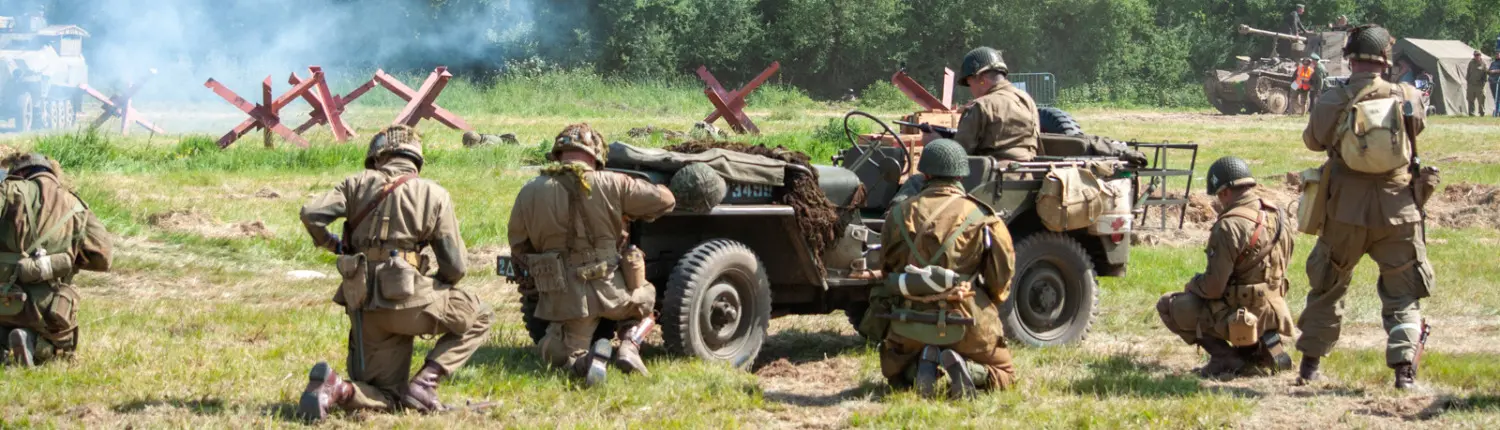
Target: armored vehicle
(1264, 85)
(723, 274)
(44, 65)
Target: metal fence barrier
(1041, 86)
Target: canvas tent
(1448, 63)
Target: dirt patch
(484, 256)
(1201, 216)
(821, 394)
(1464, 205)
(191, 221)
(263, 193)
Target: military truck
(44, 66)
(723, 275)
(1264, 85)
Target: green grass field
(199, 326)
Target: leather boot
(325, 389)
(22, 347)
(1308, 371)
(927, 365)
(628, 355)
(1224, 361)
(593, 366)
(1406, 376)
(963, 379)
(421, 393)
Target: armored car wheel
(1054, 296)
(537, 328)
(718, 304)
(25, 112)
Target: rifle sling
(359, 217)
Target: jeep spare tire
(1056, 121)
(1053, 295)
(718, 304)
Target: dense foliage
(1147, 52)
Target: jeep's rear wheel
(536, 328)
(718, 304)
(1054, 295)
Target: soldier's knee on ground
(1180, 313)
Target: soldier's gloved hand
(332, 243)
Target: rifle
(929, 128)
(357, 323)
(1408, 117)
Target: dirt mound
(191, 221)
(1465, 205)
(1201, 216)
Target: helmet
(944, 158)
(399, 140)
(32, 160)
(581, 137)
(980, 60)
(1369, 42)
(697, 188)
(1228, 172)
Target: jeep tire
(718, 304)
(1054, 296)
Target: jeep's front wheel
(1054, 296)
(718, 304)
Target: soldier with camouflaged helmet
(1369, 206)
(49, 235)
(568, 233)
(401, 258)
(1236, 309)
(1001, 121)
(949, 260)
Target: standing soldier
(950, 261)
(1292, 26)
(1494, 78)
(1239, 301)
(397, 226)
(569, 234)
(1367, 205)
(49, 235)
(1478, 75)
(1001, 122)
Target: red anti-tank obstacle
(119, 106)
(422, 103)
(730, 105)
(328, 108)
(265, 115)
(916, 93)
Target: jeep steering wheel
(868, 151)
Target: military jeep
(723, 275)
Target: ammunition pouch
(633, 266)
(558, 299)
(44, 268)
(1244, 328)
(397, 276)
(939, 327)
(354, 289)
(1251, 296)
(1311, 206)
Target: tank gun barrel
(1248, 30)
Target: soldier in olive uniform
(397, 227)
(943, 230)
(1002, 121)
(1366, 214)
(571, 238)
(1477, 77)
(49, 235)
(1236, 309)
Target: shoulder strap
(575, 205)
(55, 227)
(359, 217)
(973, 217)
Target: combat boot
(23, 347)
(628, 355)
(325, 389)
(964, 377)
(1406, 376)
(421, 394)
(1224, 361)
(927, 365)
(1308, 371)
(593, 366)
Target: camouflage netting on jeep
(822, 221)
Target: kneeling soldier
(387, 289)
(568, 232)
(1236, 309)
(949, 262)
(49, 235)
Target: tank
(44, 67)
(1264, 85)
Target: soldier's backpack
(929, 299)
(1372, 132)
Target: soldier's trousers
(51, 312)
(567, 341)
(458, 316)
(1191, 317)
(1405, 278)
(1476, 100)
(899, 355)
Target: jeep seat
(839, 184)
